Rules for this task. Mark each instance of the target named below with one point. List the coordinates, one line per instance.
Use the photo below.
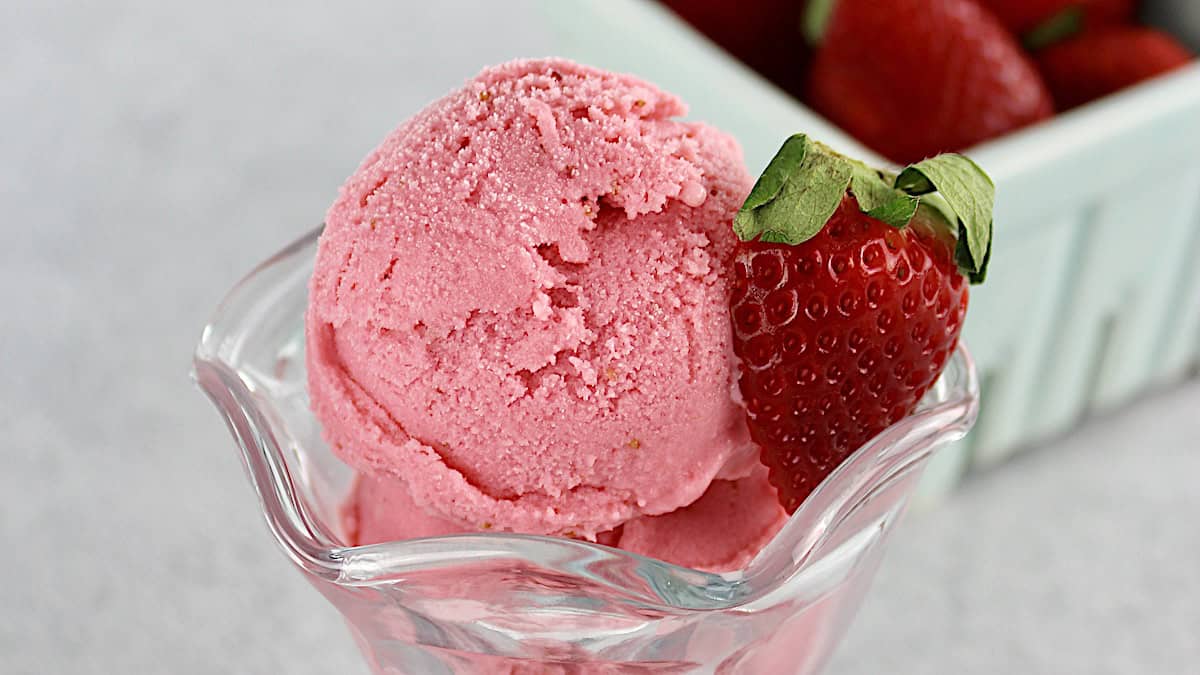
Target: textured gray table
(152, 155)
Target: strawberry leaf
(816, 19)
(870, 187)
(897, 212)
(785, 162)
(878, 199)
(1057, 28)
(969, 193)
(796, 195)
(941, 210)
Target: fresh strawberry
(912, 78)
(849, 304)
(1099, 63)
(1022, 16)
(764, 34)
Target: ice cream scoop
(519, 306)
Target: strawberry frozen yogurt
(519, 321)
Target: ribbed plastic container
(1093, 293)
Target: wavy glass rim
(947, 413)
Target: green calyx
(805, 182)
(1065, 24)
(816, 20)
(969, 193)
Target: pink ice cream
(518, 316)
(720, 531)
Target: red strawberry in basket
(849, 295)
(1023, 16)
(911, 78)
(1099, 63)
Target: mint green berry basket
(1093, 296)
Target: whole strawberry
(912, 78)
(849, 295)
(1102, 62)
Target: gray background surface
(151, 153)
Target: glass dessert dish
(512, 603)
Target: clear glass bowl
(506, 603)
